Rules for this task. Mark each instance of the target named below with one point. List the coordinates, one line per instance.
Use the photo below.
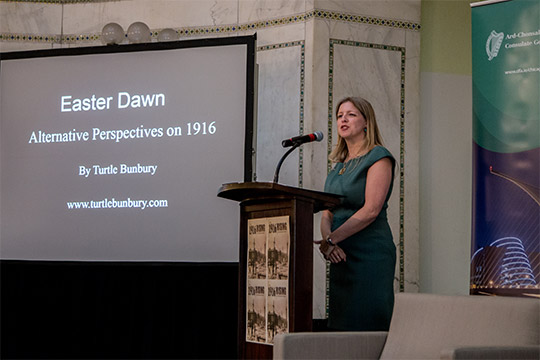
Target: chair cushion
(329, 345)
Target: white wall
(445, 147)
(445, 182)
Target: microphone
(296, 142)
(299, 140)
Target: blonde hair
(373, 135)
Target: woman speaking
(357, 239)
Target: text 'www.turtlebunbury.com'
(117, 204)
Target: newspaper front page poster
(267, 298)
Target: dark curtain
(101, 310)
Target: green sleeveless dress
(361, 292)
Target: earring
(365, 129)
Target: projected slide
(118, 156)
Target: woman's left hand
(337, 255)
(324, 247)
(332, 253)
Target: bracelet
(329, 241)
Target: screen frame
(248, 109)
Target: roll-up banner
(505, 254)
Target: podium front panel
(300, 278)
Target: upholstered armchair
(427, 326)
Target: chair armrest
(329, 345)
(492, 352)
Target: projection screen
(116, 153)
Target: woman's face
(350, 121)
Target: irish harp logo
(493, 44)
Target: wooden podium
(271, 200)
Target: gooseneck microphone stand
(276, 175)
